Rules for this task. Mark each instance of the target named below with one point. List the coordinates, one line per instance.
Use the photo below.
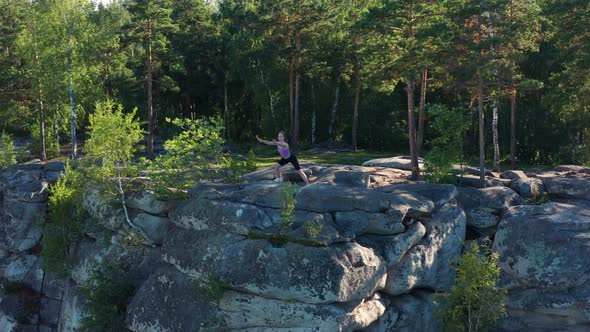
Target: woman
(286, 157)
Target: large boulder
(338, 273)
(568, 187)
(409, 313)
(327, 198)
(528, 188)
(243, 311)
(401, 162)
(111, 215)
(544, 259)
(354, 223)
(167, 302)
(439, 194)
(24, 185)
(497, 199)
(392, 248)
(19, 225)
(429, 263)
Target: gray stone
(242, 311)
(569, 168)
(545, 246)
(482, 217)
(167, 302)
(146, 201)
(529, 188)
(410, 313)
(439, 194)
(18, 229)
(544, 258)
(339, 273)
(323, 198)
(154, 227)
(55, 166)
(401, 162)
(201, 214)
(72, 309)
(571, 187)
(25, 185)
(354, 223)
(352, 178)
(393, 248)
(7, 323)
(428, 264)
(49, 311)
(495, 198)
(513, 175)
(53, 287)
(469, 180)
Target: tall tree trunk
(355, 117)
(421, 115)
(291, 95)
(513, 128)
(334, 107)
(313, 115)
(412, 131)
(297, 89)
(495, 134)
(472, 127)
(42, 148)
(271, 96)
(149, 93)
(72, 103)
(481, 128)
(225, 108)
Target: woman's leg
(303, 176)
(277, 171)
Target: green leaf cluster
(65, 219)
(475, 303)
(450, 125)
(287, 201)
(107, 294)
(7, 154)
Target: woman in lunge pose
(286, 157)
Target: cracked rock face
(546, 278)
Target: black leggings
(292, 159)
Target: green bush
(313, 228)
(65, 217)
(447, 148)
(7, 154)
(287, 201)
(51, 145)
(107, 294)
(188, 157)
(475, 303)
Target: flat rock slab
(246, 311)
(568, 187)
(400, 162)
(338, 273)
(439, 194)
(495, 198)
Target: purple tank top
(284, 152)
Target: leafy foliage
(313, 228)
(189, 155)
(287, 199)
(475, 303)
(107, 294)
(64, 222)
(447, 148)
(7, 154)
